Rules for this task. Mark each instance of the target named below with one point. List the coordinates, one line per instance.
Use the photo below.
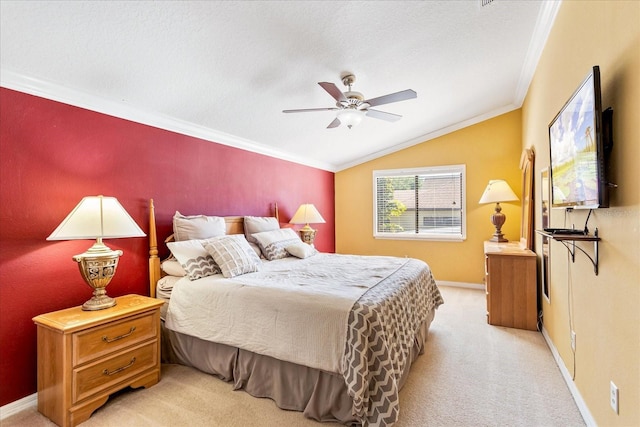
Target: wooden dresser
(84, 356)
(511, 285)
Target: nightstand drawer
(96, 377)
(102, 340)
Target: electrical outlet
(613, 397)
(573, 341)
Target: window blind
(422, 203)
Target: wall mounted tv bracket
(607, 135)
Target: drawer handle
(108, 340)
(115, 371)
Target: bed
(330, 335)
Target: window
(420, 203)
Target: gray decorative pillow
(258, 224)
(274, 243)
(233, 254)
(195, 260)
(197, 227)
(301, 250)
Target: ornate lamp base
(498, 238)
(498, 219)
(98, 302)
(97, 267)
(307, 234)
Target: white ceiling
(225, 70)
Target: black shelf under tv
(569, 242)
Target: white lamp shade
(307, 214)
(97, 217)
(350, 117)
(498, 191)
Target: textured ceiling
(224, 71)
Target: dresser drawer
(96, 377)
(99, 341)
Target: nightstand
(84, 356)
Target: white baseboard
(477, 286)
(19, 405)
(577, 397)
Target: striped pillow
(233, 254)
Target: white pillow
(273, 243)
(256, 249)
(173, 268)
(165, 286)
(195, 260)
(301, 250)
(233, 254)
(197, 227)
(258, 224)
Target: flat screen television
(580, 142)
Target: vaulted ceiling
(225, 70)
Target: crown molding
(67, 95)
(544, 23)
(429, 136)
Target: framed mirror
(526, 224)
(544, 202)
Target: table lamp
(97, 217)
(498, 191)
(307, 214)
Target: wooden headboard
(234, 225)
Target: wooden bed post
(154, 261)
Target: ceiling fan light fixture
(350, 117)
(352, 106)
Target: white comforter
(293, 309)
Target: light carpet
(472, 374)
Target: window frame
(426, 170)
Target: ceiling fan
(351, 106)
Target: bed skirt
(320, 395)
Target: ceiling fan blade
(390, 117)
(334, 124)
(333, 91)
(306, 110)
(392, 97)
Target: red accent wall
(53, 154)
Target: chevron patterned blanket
(382, 328)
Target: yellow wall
(606, 307)
(490, 150)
